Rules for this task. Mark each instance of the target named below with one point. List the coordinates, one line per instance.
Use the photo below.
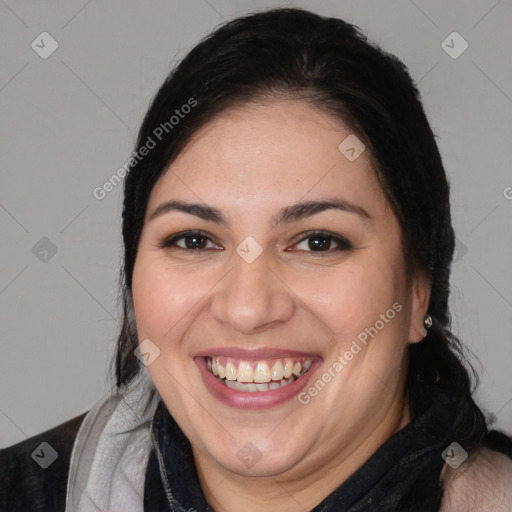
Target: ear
(420, 298)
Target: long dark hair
(330, 64)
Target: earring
(427, 322)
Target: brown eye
(195, 241)
(322, 242)
(319, 243)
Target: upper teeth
(258, 372)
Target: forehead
(270, 154)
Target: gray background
(69, 121)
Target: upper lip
(257, 354)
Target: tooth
(230, 372)
(277, 371)
(220, 369)
(209, 364)
(233, 384)
(245, 372)
(288, 369)
(215, 371)
(297, 368)
(307, 364)
(257, 388)
(262, 372)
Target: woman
(288, 243)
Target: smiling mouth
(257, 376)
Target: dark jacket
(25, 486)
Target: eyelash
(342, 243)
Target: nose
(252, 298)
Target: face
(270, 275)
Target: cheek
(364, 307)
(162, 298)
(353, 297)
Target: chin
(258, 455)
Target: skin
(249, 163)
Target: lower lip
(256, 400)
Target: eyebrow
(286, 215)
(306, 209)
(200, 210)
